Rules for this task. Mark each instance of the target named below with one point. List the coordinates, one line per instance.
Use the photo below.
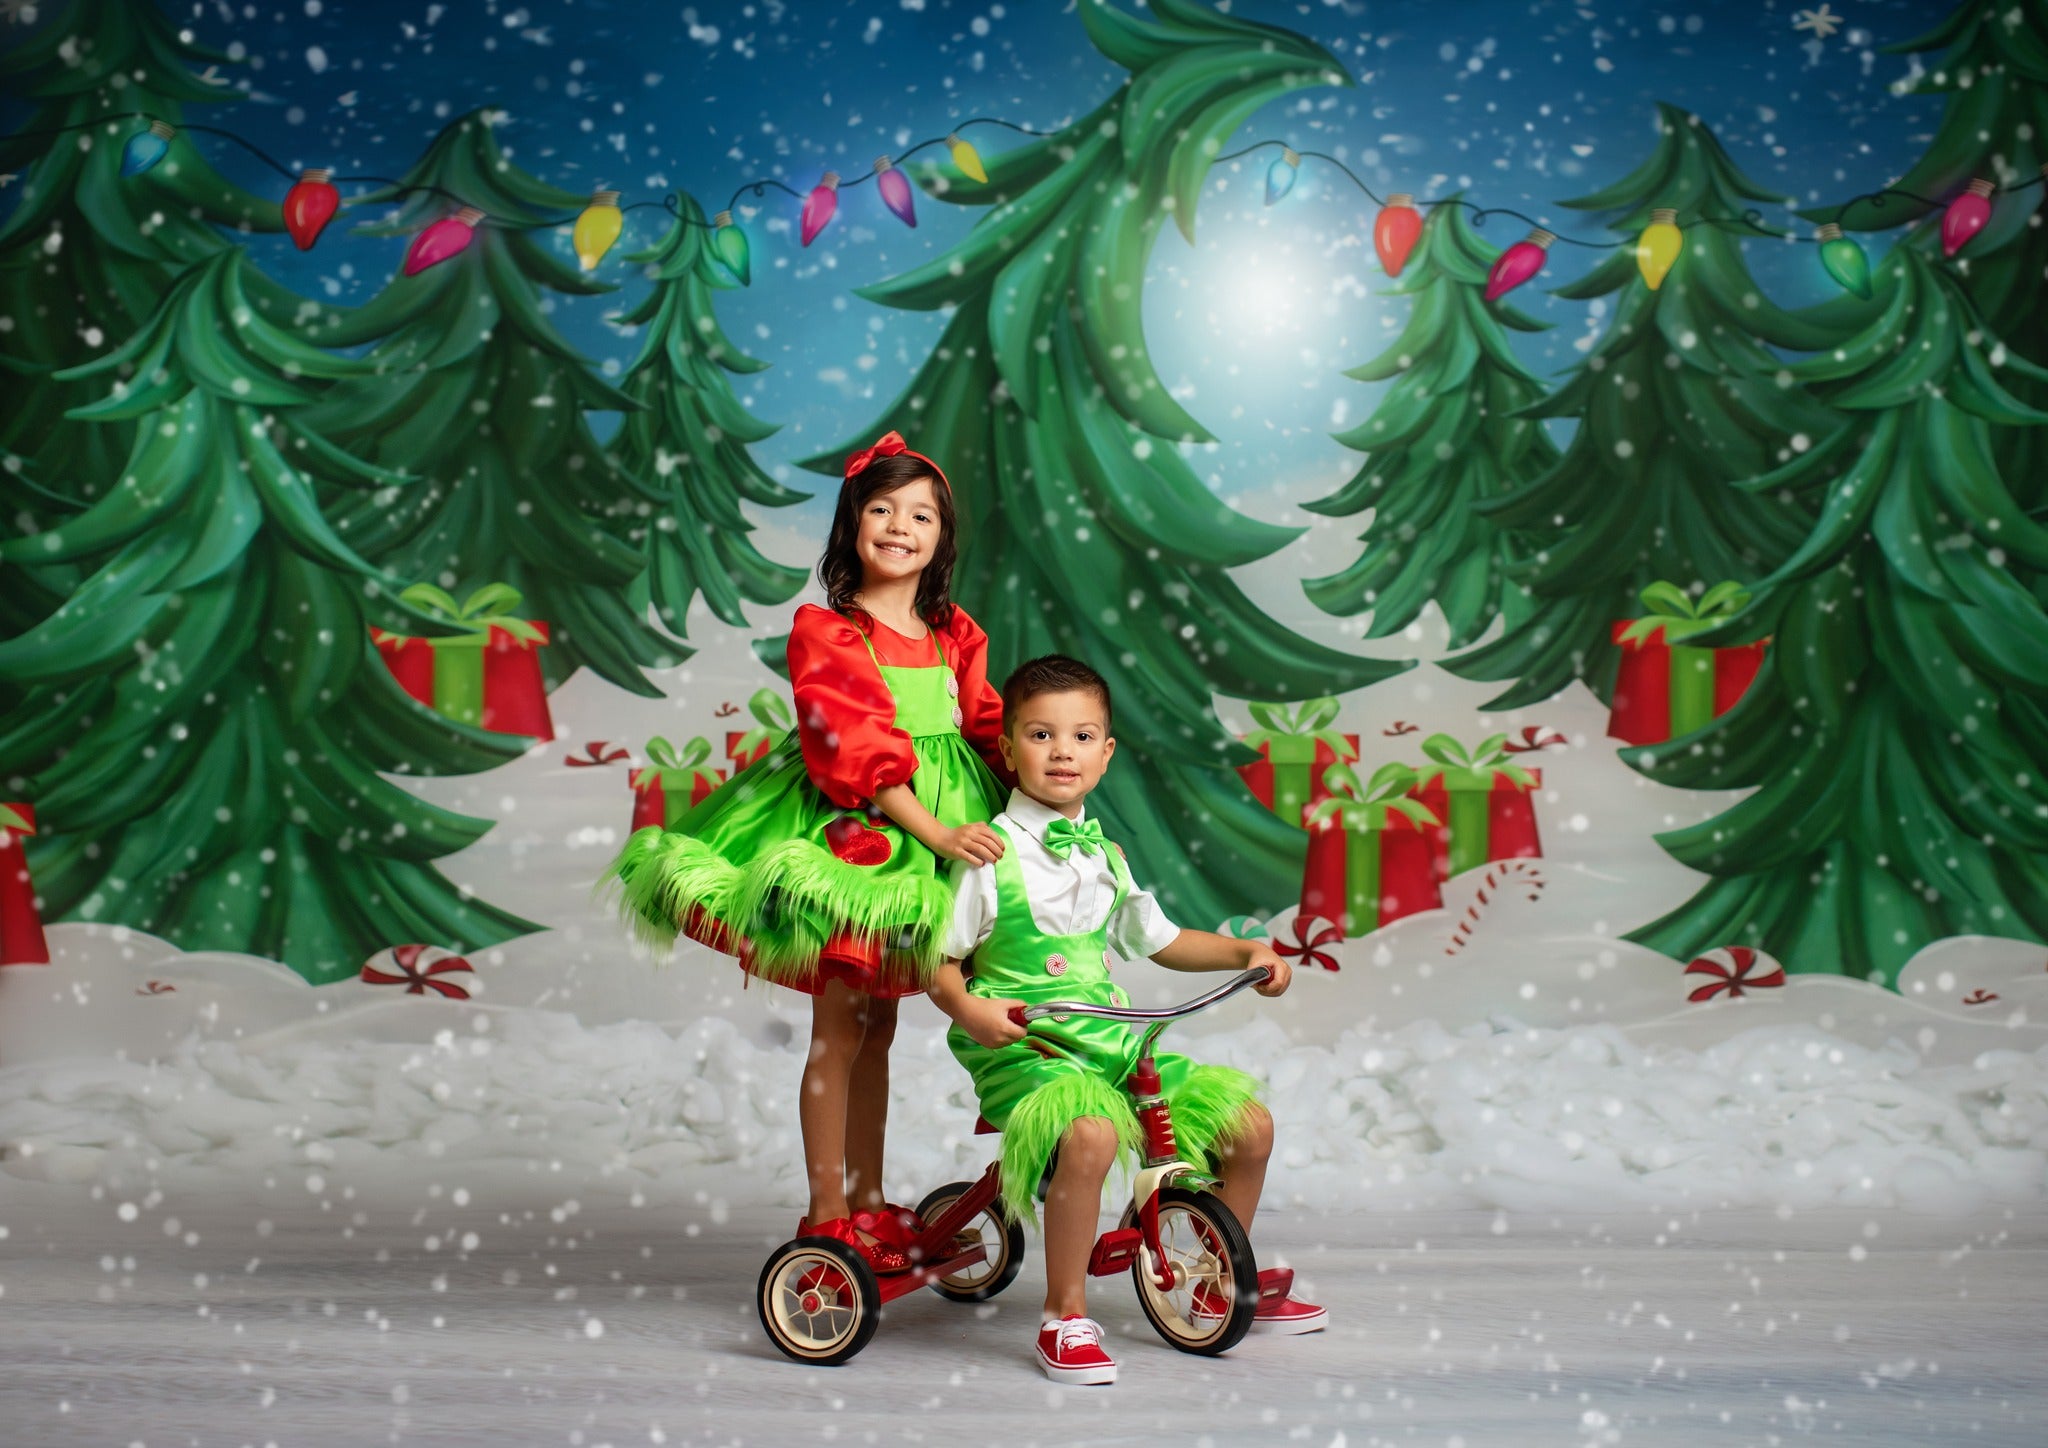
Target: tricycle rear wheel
(1001, 1241)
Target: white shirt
(1068, 897)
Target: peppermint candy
(419, 968)
(1736, 970)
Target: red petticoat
(854, 962)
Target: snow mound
(1525, 1118)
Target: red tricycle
(820, 1302)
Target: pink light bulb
(820, 206)
(1966, 216)
(1518, 263)
(450, 236)
(895, 188)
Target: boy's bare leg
(1073, 1206)
(837, 1022)
(867, 1108)
(1242, 1165)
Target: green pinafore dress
(1034, 1089)
(803, 891)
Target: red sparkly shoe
(1279, 1312)
(882, 1257)
(896, 1226)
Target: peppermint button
(952, 686)
(1055, 965)
(958, 718)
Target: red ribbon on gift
(418, 980)
(21, 924)
(1309, 940)
(1735, 968)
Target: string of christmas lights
(314, 200)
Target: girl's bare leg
(837, 1022)
(867, 1107)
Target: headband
(889, 445)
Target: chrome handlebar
(1023, 1015)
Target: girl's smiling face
(898, 531)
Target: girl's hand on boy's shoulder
(990, 1024)
(1280, 976)
(977, 844)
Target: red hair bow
(889, 445)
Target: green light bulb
(729, 245)
(1845, 261)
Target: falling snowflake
(18, 12)
(1822, 22)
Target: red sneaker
(883, 1258)
(1279, 1312)
(1070, 1351)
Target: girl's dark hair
(839, 570)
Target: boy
(1037, 923)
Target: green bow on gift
(1286, 728)
(774, 719)
(1673, 611)
(1474, 769)
(476, 615)
(691, 759)
(1369, 805)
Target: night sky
(1521, 105)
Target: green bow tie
(1063, 837)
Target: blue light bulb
(1280, 175)
(146, 148)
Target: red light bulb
(1395, 232)
(310, 205)
(1966, 216)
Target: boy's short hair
(1052, 674)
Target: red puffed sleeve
(981, 707)
(845, 714)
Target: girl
(821, 865)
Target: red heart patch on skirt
(852, 841)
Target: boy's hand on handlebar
(1279, 973)
(989, 1022)
(977, 844)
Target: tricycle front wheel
(1215, 1290)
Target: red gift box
(1298, 748)
(489, 675)
(1482, 801)
(773, 718)
(1666, 688)
(21, 923)
(1370, 860)
(675, 783)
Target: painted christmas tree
(1896, 736)
(473, 391)
(1083, 529)
(691, 436)
(86, 253)
(214, 709)
(1993, 68)
(1678, 401)
(1447, 435)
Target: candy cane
(1495, 879)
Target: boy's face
(1059, 745)
(898, 532)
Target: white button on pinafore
(1055, 965)
(952, 685)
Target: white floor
(258, 1319)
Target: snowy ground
(256, 1319)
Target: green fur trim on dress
(787, 903)
(1210, 1111)
(1035, 1129)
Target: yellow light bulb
(967, 159)
(597, 228)
(1658, 247)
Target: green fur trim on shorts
(1039, 1123)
